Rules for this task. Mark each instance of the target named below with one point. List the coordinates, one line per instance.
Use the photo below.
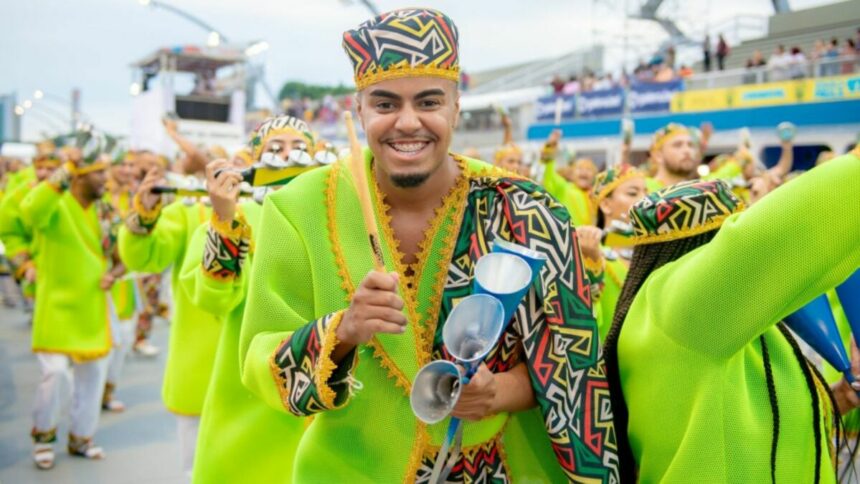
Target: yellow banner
(704, 100)
(768, 94)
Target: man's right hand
(153, 177)
(376, 308)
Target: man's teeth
(409, 147)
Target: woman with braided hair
(705, 385)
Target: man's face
(678, 155)
(43, 171)
(409, 124)
(512, 161)
(583, 176)
(94, 184)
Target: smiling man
(326, 335)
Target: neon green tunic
(576, 200)
(689, 353)
(652, 184)
(238, 432)
(193, 332)
(70, 315)
(20, 177)
(16, 236)
(312, 251)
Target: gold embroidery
(325, 365)
(419, 449)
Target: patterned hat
(607, 181)
(683, 210)
(279, 125)
(662, 135)
(410, 42)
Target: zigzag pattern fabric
(403, 43)
(683, 210)
(553, 330)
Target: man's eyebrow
(429, 93)
(384, 93)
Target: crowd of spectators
(830, 58)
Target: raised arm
(765, 263)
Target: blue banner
(606, 102)
(650, 97)
(547, 106)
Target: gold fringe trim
(97, 166)
(400, 380)
(280, 382)
(337, 251)
(145, 215)
(226, 228)
(325, 365)
(419, 449)
(611, 186)
(399, 71)
(593, 266)
(612, 275)
(715, 223)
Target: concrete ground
(140, 443)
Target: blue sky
(56, 45)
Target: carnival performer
(238, 432)
(675, 153)
(71, 329)
(509, 156)
(695, 333)
(574, 195)
(16, 236)
(326, 335)
(123, 300)
(152, 240)
(615, 191)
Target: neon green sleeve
(40, 205)
(216, 296)
(14, 234)
(765, 263)
(554, 183)
(285, 348)
(156, 251)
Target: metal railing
(824, 67)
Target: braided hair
(647, 259)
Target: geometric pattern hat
(409, 42)
(276, 126)
(607, 181)
(683, 210)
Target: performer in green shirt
(239, 433)
(326, 335)
(706, 386)
(71, 328)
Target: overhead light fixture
(28, 104)
(134, 89)
(19, 110)
(214, 39)
(145, 3)
(38, 94)
(704, 170)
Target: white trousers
(87, 386)
(186, 428)
(123, 338)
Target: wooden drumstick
(359, 178)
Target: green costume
(614, 273)
(690, 352)
(576, 200)
(238, 432)
(312, 251)
(70, 315)
(16, 236)
(19, 178)
(152, 241)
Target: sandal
(84, 447)
(43, 456)
(110, 403)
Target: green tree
(298, 89)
